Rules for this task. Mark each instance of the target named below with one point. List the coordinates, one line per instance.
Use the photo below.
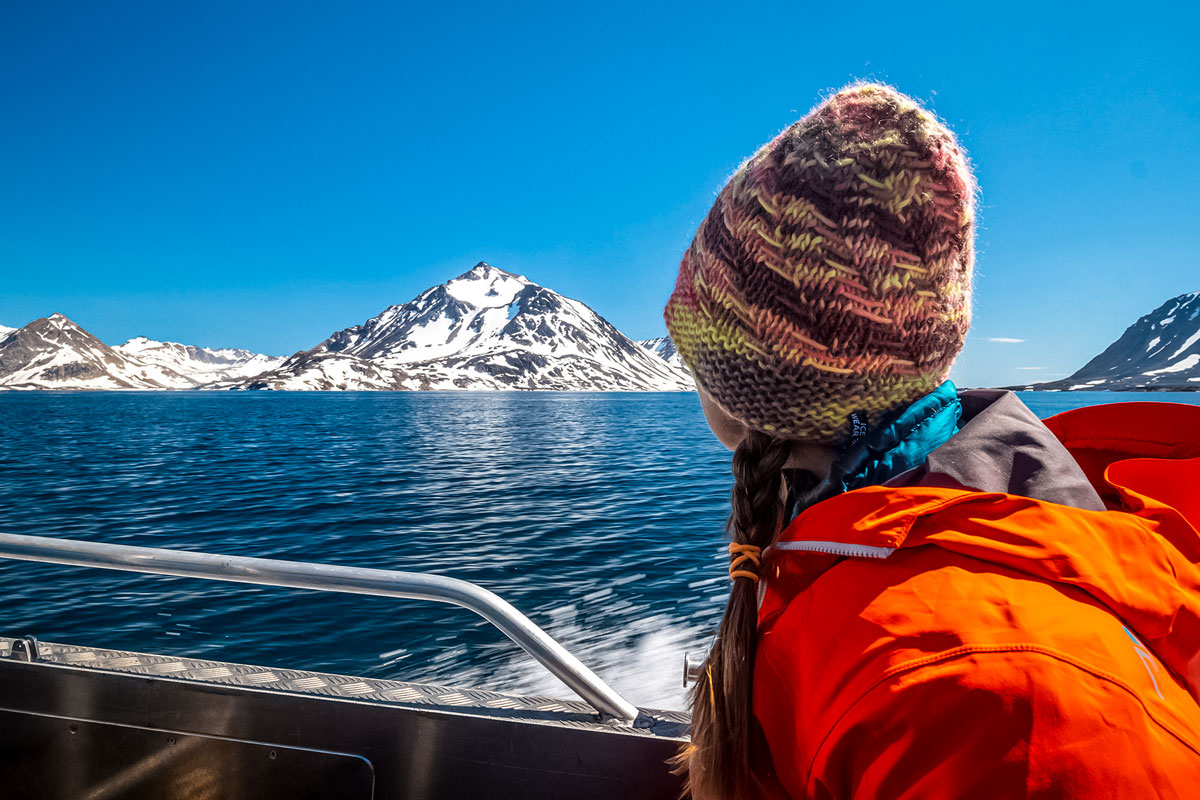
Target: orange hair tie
(740, 554)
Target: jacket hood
(1003, 447)
(1139, 558)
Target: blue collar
(901, 442)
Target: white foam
(643, 661)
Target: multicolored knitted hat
(832, 277)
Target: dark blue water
(598, 515)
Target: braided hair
(716, 762)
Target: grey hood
(1002, 446)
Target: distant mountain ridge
(53, 353)
(200, 364)
(665, 349)
(1159, 351)
(490, 329)
(486, 329)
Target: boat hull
(79, 722)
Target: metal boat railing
(331, 578)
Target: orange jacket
(935, 642)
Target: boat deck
(91, 722)
(402, 694)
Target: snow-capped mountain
(201, 364)
(55, 353)
(665, 349)
(486, 329)
(1159, 351)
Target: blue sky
(261, 174)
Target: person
(934, 593)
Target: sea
(600, 516)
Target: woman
(934, 593)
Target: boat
(88, 723)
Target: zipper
(836, 549)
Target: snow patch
(1191, 340)
(486, 287)
(1182, 366)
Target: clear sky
(260, 174)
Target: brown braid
(717, 761)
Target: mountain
(664, 348)
(1159, 351)
(55, 353)
(201, 364)
(486, 329)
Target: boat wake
(642, 660)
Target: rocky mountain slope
(1159, 351)
(55, 353)
(486, 329)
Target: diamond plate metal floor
(478, 702)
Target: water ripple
(596, 515)
(600, 516)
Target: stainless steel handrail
(331, 578)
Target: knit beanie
(830, 284)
